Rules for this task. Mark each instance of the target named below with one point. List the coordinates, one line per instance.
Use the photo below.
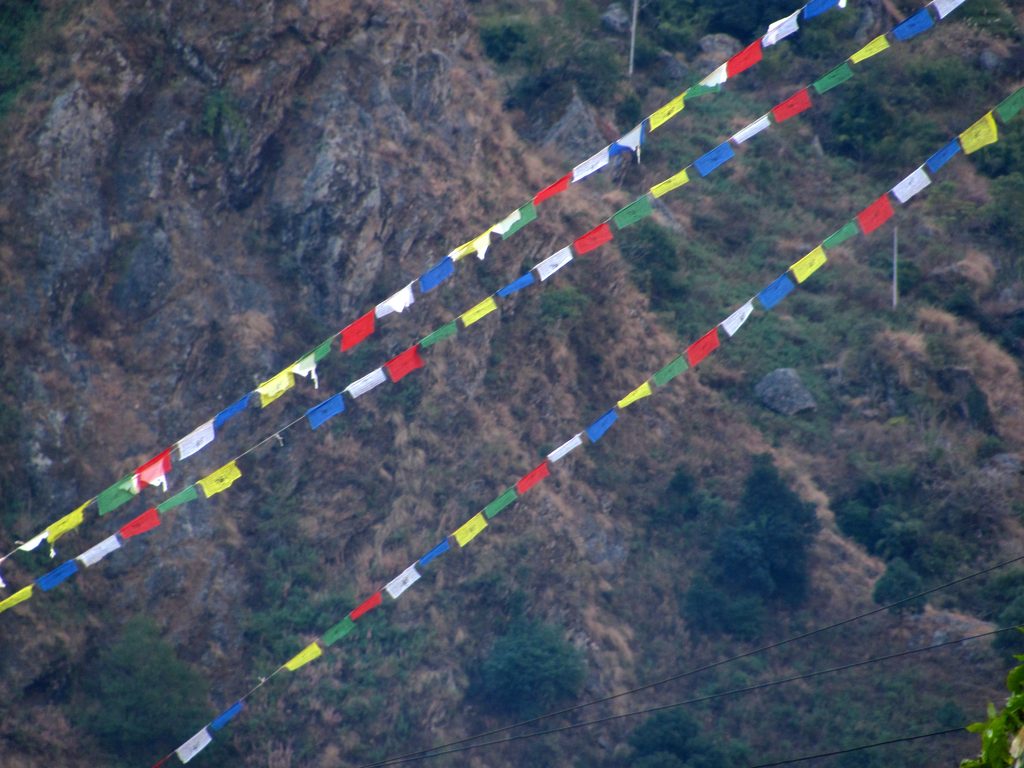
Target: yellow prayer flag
(667, 112)
(221, 480)
(470, 529)
(873, 48)
(671, 183)
(644, 390)
(809, 264)
(303, 657)
(482, 309)
(66, 524)
(477, 245)
(20, 596)
(981, 134)
(273, 388)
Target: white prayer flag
(402, 582)
(307, 367)
(508, 222)
(780, 29)
(93, 555)
(399, 302)
(194, 746)
(732, 323)
(32, 543)
(911, 185)
(946, 7)
(195, 441)
(553, 263)
(589, 166)
(752, 130)
(368, 382)
(717, 77)
(566, 447)
(632, 139)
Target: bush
(899, 581)
(18, 19)
(504, 38)
(673, 738)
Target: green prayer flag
(526, 214)
(501, 502)
(632, 213)
(338, 631)
(446, 330)
(182, 497)
(837, 76)
(323, 350)
(841, 236)
(670, 371)
(119, 493)
(700, 90)
(1010, 106)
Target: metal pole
(632, 36)
(895, 265)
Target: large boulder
(784, 392)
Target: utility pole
(895, 266)
(632, 36)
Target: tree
(899, 581)
(673, 739)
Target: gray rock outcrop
(784, 392)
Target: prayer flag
(480, 311)
(477, 245)
(809, 264)
(673, 182)
(195, 441)
(504, 226)
(667, 112)
(357, 331)
(596, 430)
(875, 215)
(66, 524)
(715, 78)
(227, 716)
(531, 478)
(818, 7)
(946, 7)
(836, 77)
(632, 213)
(841, 235)
(943, 156)
(435, 553)
(230, 412)
(595, 238)
(58, 575)
(194, 746)
(591, 165)
(303, 657)
(34, 542)
(744, 134)
(565, 448)
(517, 285)
(914, 25)
(702, 347)
(181, 497)
(716, 157)
(306, 367)
(911, 185)
(323, 349)
(644, 390)
(397, 302)
(154, 471)
(793, 106)
(550, 191)
(402, 582)
(360, 387)
(630, 142)
(318, 415)
(701, 89)
(274, 387)
(119, 493)
(1010, 106)
(781, 29)
(405, 363)
(17, 598)
(147, 521)
(873, 48)
(744, 60)
(469, 530)
(981, 134)
(553, 263)
(670, 371)
(94, 554)
(373, 601)
(498, 504)
(776, 291)
(448, 329)
(526, 214)
(735, 321)
(338, 631)
(220, 480)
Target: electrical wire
(860, 748)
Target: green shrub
(18, 20)
(899, 581)
(674, 738)
(503, 38)
(563, 303)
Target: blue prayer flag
(721, 154)
(914, 25)
(596, 430)
(436, 552)
(818, 7)
(227, 716)
(523, 282)
(943, 156)
(437, 274)
(230, 412)
(61, 573)
(776, 291)
(329, 408)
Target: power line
(860, 748)
(709, 666)
(437, 751)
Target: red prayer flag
(355, 332)
(155, 469)
(702, 347)
(875, 215)
(162, 762)
(147, 521)
(559, 186)
(793, 106)
(404, 364)
(534, 477)
(595, 238)
(744, 60)
(368, 605)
